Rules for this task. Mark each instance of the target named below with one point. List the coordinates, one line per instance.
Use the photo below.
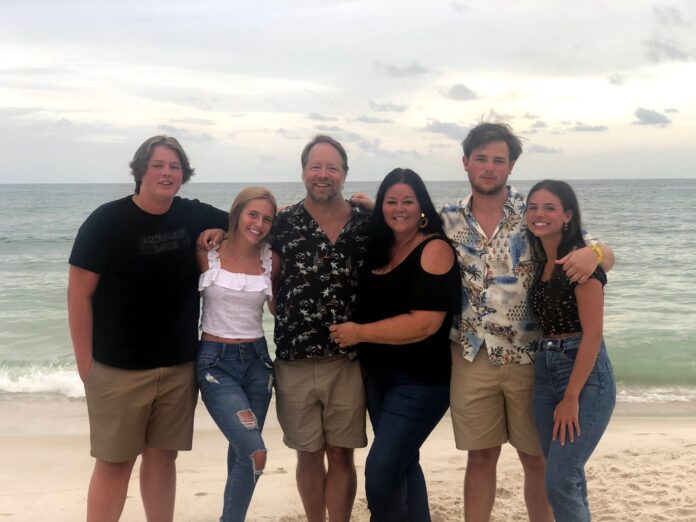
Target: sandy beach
(643, 470)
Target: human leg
(234, 383)
(158, 484)
(107, 490)
(118, 403)
(480, 426)
(402, 415)
(341, 483)
(565, 474)
(538, 507)
(311, 481)
(479, 484)
(518, 385)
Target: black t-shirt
(146, 305)
(408, 287)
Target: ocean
(650, 309)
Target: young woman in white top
(234, 370)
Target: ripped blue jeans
(236, 385)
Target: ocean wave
(655, 395)
(63, 382)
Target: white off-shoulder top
(233, 302)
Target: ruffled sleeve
(238, 281)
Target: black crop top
(554, 305)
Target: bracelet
(597, 252)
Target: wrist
(597, 252)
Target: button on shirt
(318, 280)
(496, 275)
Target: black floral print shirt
(318, 281)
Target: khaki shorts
(491, 405)
(321, 401)
(130, 410)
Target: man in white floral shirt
(493, 339)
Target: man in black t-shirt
(133, 311)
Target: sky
(597, 89)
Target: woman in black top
(406, 301)
(574, 388)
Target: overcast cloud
(244, 85)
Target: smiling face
(324, 175)
(401, 210)
(255, 220)
(488, 168)
(163, 176)
(545, 214)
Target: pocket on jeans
(205, 361)
(266, 360)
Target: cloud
(459, 92)
(659, 51)
(616, 79)
(368, 119)
(582, 127)
(450, 129)
(402, 72)
(671, 110)
(343, 135)
(184, 134)
(193, 121)
(530, 116)
(36, 71)
(387, 107)
(541, 149)
(650, 117)
(459, 7)
(320, 117)
(668, 15)
(539, 125)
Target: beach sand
(643, 470)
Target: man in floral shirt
(319, 250)
(493, 339)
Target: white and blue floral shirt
(496, 275)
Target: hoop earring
(565, 227)
(423, 221)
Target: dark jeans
(566, 485)
(403, 413)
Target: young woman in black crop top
(574, 387)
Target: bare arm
(210, 238)
(411, 327)
(590, 299)
(579, 264)
(275, 280)
(81, 286)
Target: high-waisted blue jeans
(403, 413)
(236, 379)
(566, 485)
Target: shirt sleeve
(436, 292)
(90, 249)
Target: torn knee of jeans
(258, 463)
(209, 378)
(248, 419)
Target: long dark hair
(571, 238)
(381, 236)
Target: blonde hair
(240, 202)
